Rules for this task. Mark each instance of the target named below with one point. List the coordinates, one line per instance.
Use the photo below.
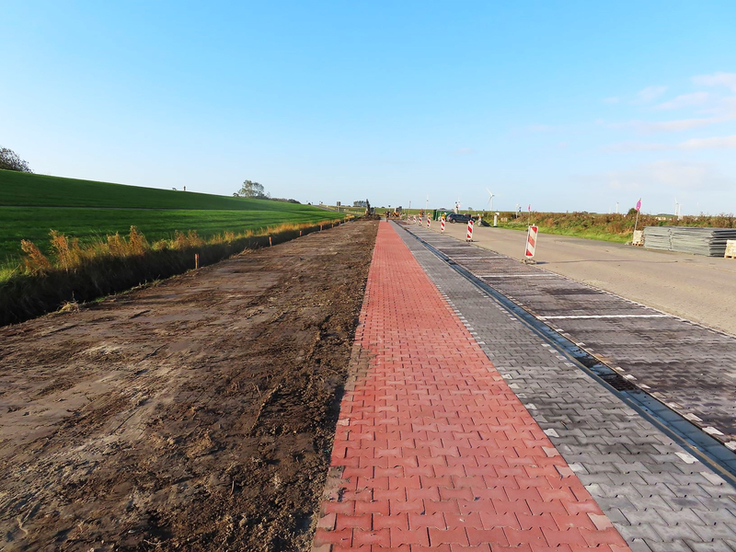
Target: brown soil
(194, 414)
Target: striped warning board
(442, 223)
(531, 242)
(469, 235)
(429, 220)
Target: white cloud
(636, 146)
(679, 125)
(717, 79)
(709, 143)
(723, 106)
(685, 100)
(662, 175)
(683, 175)
(716, 142)
(539, 128)
(463, 151)
(646, 127)
(650, 93)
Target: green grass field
(31, 205)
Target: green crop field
(31, 205)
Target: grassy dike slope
(88, 259)
(31, 205)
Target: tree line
(255, 190)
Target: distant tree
(9, 160)
(285, 200)
(632, 212)
(252, 189)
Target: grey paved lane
(698, 288)
(658, 496)
(691, 368)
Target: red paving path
(436, 452)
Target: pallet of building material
(730, 249)
(657, 237)
(638, 238)
(710, 242)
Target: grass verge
(608, 227)
(78, 273)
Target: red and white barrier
(429, 220)
(531, 242)
(442, 224)
(469, 235)
(415, 219)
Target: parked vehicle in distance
(457, 217)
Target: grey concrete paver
(658, 352)
(657, 495)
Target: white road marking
(515, 275)
(596, 316)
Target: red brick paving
(433, 451)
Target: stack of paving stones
(659, 497)
(658, 237)
(710, 242)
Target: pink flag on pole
(530, 207)
(638, 205)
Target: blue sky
(564, 105)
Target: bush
(10, 161)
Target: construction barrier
(469, 235)
(442, 224)
(414, 219)
(429, 220)
(531, 242)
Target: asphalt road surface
(701, 289)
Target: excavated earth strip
(196, 414)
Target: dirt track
(195, 414)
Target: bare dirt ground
(701, 289)
(196, 414)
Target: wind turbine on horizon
(490, 199)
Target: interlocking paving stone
(655, 494)
(433, 450)
(660, 353)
